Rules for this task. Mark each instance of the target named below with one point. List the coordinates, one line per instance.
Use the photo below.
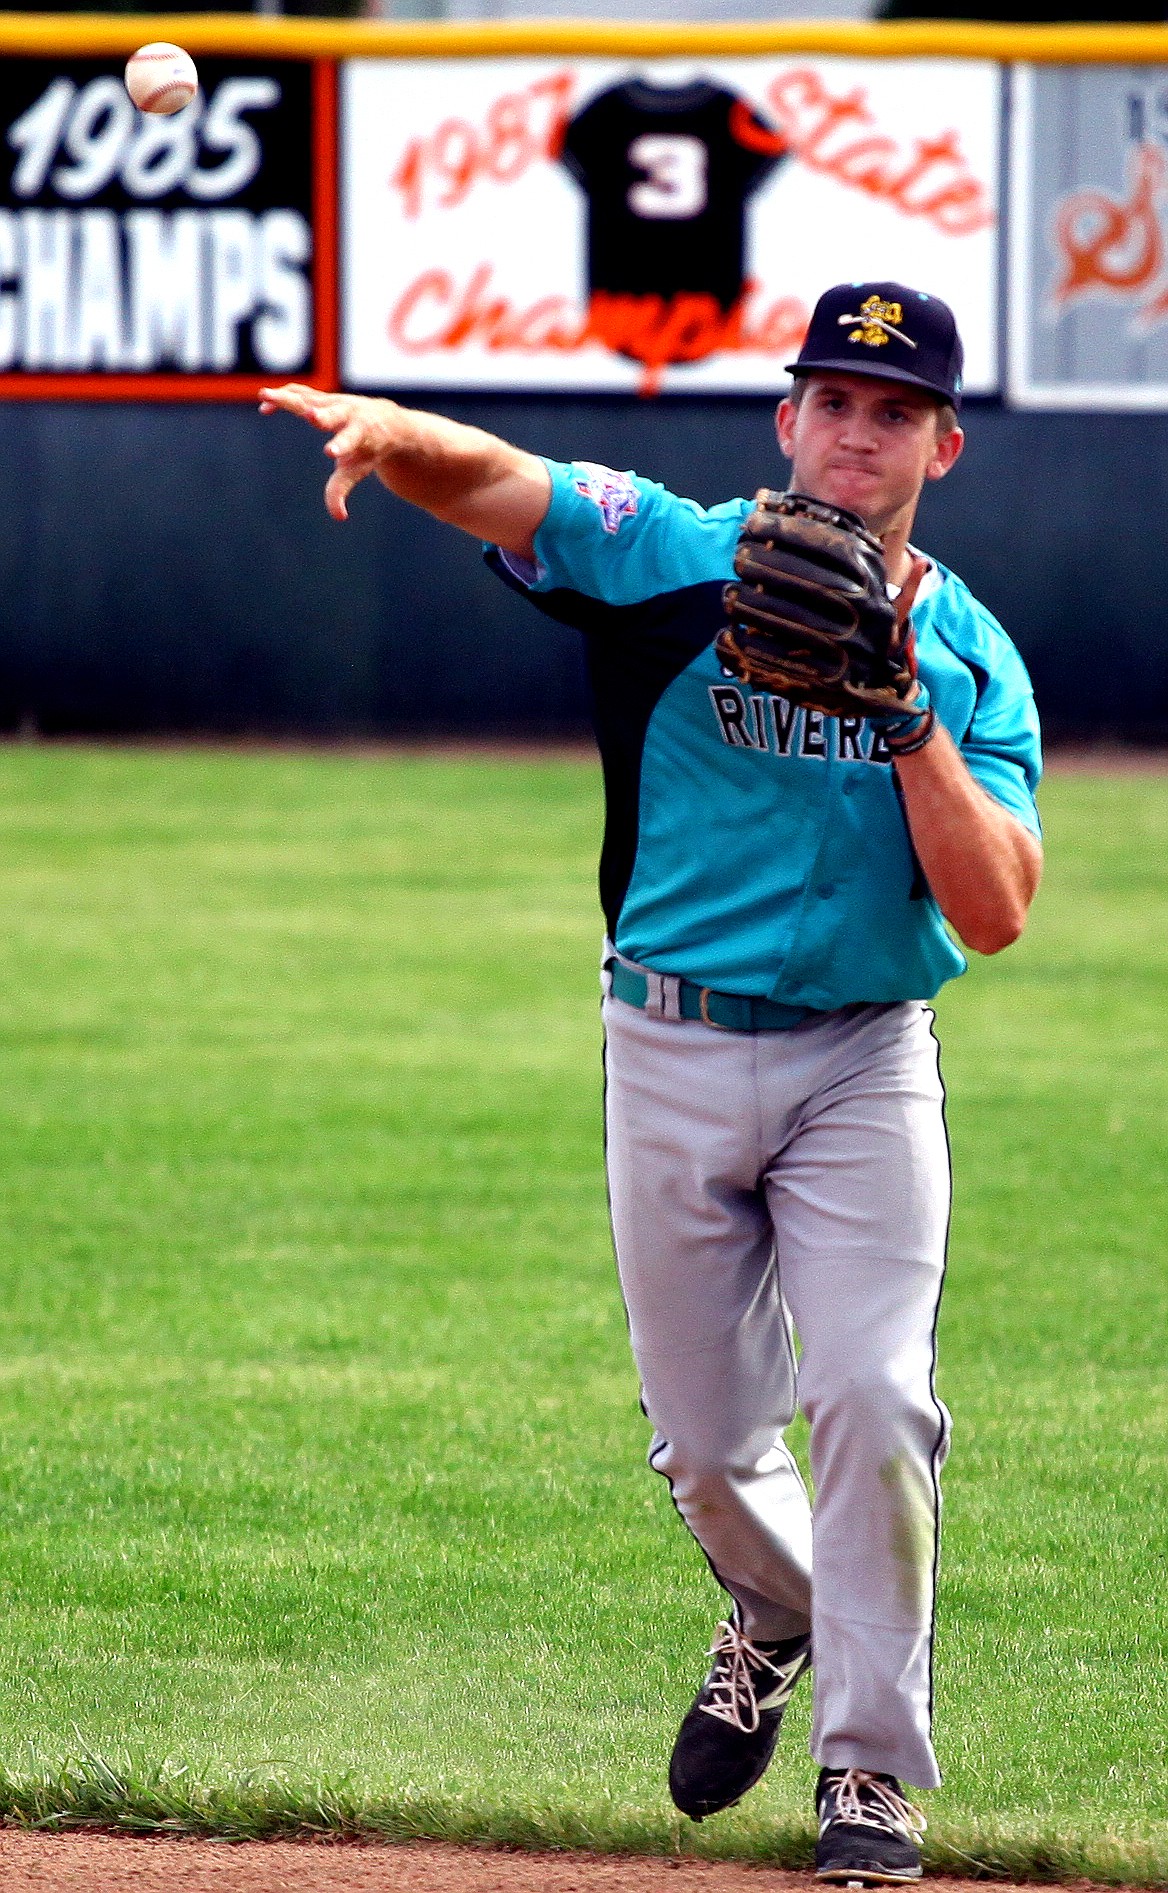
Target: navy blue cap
(887, 330)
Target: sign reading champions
(530, 223)
(145, 246)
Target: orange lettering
(408, 177)
(1108, 244)
(554, 322)
(810, 117)
(435, 283)
(835, 112)
(692, 328)
(959, 209)
(656, 331)
(929, 152)
(792, 92)
(864, 165)
(780, 329)
(473, 313)
(456, 155)
(558, 88)
(777, 330)
(432, 314)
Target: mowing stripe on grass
(322, 1502)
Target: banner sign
(1089, 237)
(164, 256)
(530, 223)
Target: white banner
(583, 224)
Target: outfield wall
(173, 568)
(168, 564)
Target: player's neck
(894, 538)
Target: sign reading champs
(150, 255)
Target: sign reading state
(527, 223)
(165, 252)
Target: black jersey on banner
(667, 172)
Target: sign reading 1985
(181, 256)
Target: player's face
(865, 444)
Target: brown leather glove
(810, 617)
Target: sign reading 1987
(190, 256)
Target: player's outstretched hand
(364, 431)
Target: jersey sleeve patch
(615, 494)
(623, 539)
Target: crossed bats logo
(878, 320)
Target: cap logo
(878, 320)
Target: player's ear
(785, 416)
(945, 454)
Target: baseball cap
(887, 330)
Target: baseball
(161, 78)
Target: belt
(729, 1012)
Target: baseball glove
(810, 617)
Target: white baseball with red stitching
(161, 78)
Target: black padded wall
(171, 568)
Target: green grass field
(322, 1499)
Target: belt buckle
(704, 1011)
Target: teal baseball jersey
(751, 846)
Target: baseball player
(777, 883)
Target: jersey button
(826, 891)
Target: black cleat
(868, 1830)
(728, 1737)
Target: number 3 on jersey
(675, 167)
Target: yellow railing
(88, 33)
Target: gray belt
(672, 998)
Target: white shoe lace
(733, 1693)
(863, 1800)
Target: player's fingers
(298, 391)
(323, 409)
(293, 397)
(344, 477)
(353, 438)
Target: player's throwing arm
(460, 474)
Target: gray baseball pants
(760, 1181)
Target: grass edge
(93, 1792)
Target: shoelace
(863, 1800)
(734, 1691)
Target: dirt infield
(106, 1863)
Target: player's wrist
(911, 730)
(911, 737)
